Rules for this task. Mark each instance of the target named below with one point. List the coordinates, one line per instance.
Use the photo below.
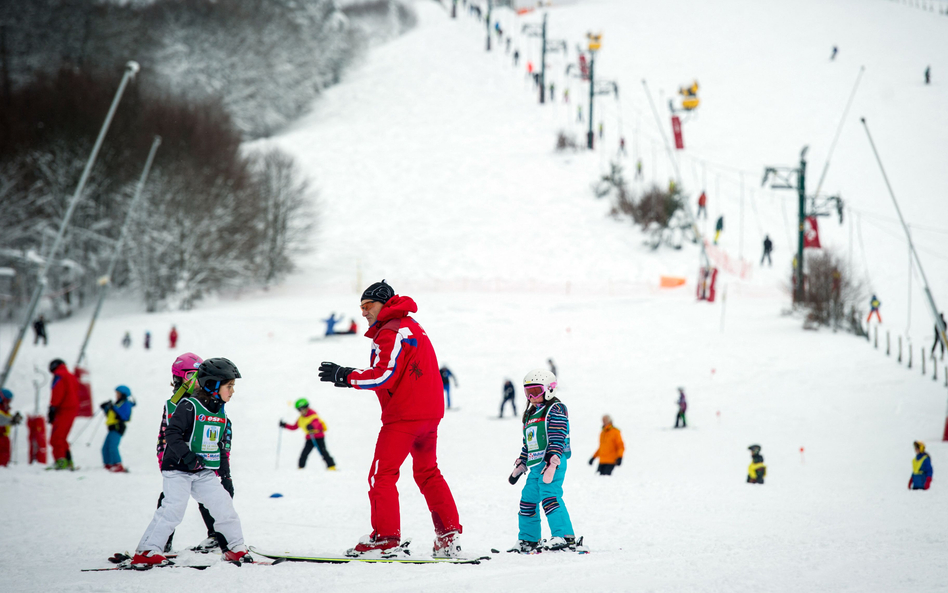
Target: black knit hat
(379, 292)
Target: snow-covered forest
(213, 74)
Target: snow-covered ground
(436, 171)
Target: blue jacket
(921, 471)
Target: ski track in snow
(436, 170)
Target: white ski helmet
(544, 378)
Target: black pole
(543, 64)
(801, 194)
(489, 6)
(592, 88)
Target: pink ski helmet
(186, 365)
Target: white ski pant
(206, 488)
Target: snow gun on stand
(689, 99)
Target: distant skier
(566, 95)
(508, 44)
(928, 75)
(147, 340)
(117, 413)
(579, 113)
(938, 337)
(127, 340)
(353, 327)
(622, 144)
(516, 57)
(63, 407)
(549, 361)
(600, 130)
(874, 305)
(835, 49)
(552, 92)
(173, 337)
(702, 205)
(768, 247)
(39, 330)
(921, 469)
(510, 394)
(331, 322)
(638, 169)
(315, 430)
(756, 471)
(611, 448)
(6, 421)
(544, 455)
(446, 377)
(682, 408)
(718, 227)
(404, 377)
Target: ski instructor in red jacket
(404, 376)
(63, 407)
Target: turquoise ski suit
(545, 431)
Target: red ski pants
(62, 424)
(4, 450)
(395, 442)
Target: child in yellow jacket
(315, 430)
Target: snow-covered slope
(437, 171)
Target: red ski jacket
(65, 390)
(404, 372)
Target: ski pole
(279, 442)
(92, 436)
(75, 439)
(16, 433)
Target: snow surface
(436, 171)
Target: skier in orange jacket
(610, 448)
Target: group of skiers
(146, 342)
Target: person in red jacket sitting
(63, 407)
(404, 375)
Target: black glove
(619, 461)
(105, 405)
(282, 424)
(17, 418)
(192, 461)
(228, 485)
(332, 372)
(592, 460)
(52, 414)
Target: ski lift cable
(862, 247)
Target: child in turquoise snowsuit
(544, 454)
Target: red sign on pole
(811, 233)
(676, 128)
(583, 68)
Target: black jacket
(178, 455)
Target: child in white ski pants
(206, 488)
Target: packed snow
(436, 171)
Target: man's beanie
(379, 292)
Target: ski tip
(494, 551)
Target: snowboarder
(446, 376)
(682, 408)
(39, 330)
(127, 340)
(6, 421)
(610, 448)
(117, 413)
(549, 361)
(938, 337)
(331, 322)
(315, 430)
(544, 455)
(874, 305)
(510, 394)
(147, 340)
(63, 407)
(756, 471)
(833, 56)
(921, 469)
(702, 205)
(718, 227)
(198, 445)
(173, 337)
(928, 75)
(412, 400)
(768, 247)
(183, 380)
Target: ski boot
(565, 544)
(526, 547)
(209, 545)
(385, 546)
(238, 557)
(146, 560)
(447, 545)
